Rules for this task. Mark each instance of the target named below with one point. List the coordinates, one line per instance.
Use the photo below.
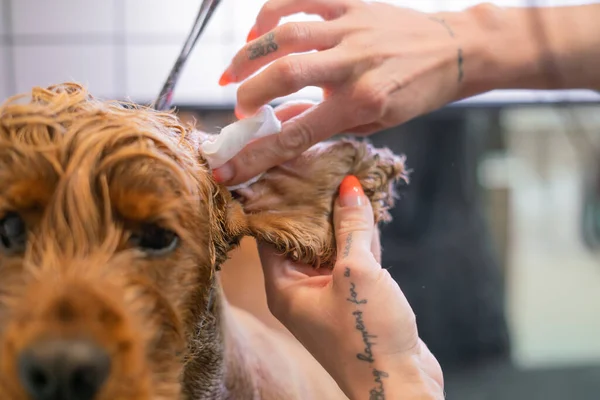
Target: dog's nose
(63, 369)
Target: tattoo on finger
(347, 245)
(262, 47)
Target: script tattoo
(354, 296)
(347, 245)
(262, 47)
(378, 392)
(460, 59)
(366, 355)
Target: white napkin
(232, 139)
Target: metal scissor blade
(207, 9)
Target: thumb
(272, 264)
(275, 273)
(353, 222)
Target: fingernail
(226, 78)
(351, 192)
(223, 173)
(253, 34)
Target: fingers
(274, 270)
(272, 12)
(354, 228)
(291, 109)
(273, 266)
(281, 272)
(293, 37)
(290, 74)
(298, 134)
(366, 129)
(282, 277)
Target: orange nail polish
(253, 34)
(351, 192)
(238, 113)
(224, 173)
(216, 176)
(226, 78)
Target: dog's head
(111, 230)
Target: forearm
(528, 48)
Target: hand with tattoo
(355, 319)
(379, 65)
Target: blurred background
(496, 241)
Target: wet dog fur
(121, 231)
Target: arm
(528, 48)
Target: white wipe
(234, 137)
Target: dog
(112, 234)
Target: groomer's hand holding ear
(380, 65)
(355, 319)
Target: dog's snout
(63, 369)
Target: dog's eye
(155, 240)
(13, 233)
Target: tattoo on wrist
(460, 59)
(366, 355)
(444, 24)
(262, 47)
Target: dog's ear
(291, 205)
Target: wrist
(529, 48)
(403, 379)
(497, 49)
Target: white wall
(4, 76)
(125, 48)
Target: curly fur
(84, 174)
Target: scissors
(207, 9)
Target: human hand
(354, 319)
(379, 66)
